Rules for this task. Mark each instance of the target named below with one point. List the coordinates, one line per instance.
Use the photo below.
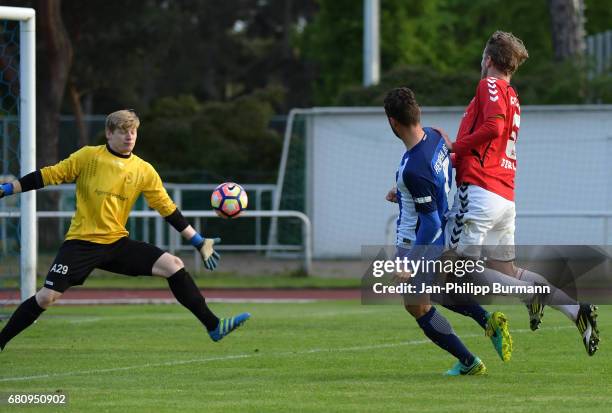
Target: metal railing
(604, 215)
(599, 47)
(175, 191)
(306, 246)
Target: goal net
(17, 136)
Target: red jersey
(485, 146)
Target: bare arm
(188, 232)
(16, 187)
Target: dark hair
(401, 105)
(506, 51)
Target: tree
(567, 28)
(212, 50)
(431, 33)
(273, 57)
(598, 16)
(189, 140)
(52, 71)
(111, 54)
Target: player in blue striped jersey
(423, 183)
(422, 191)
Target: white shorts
(481, 223)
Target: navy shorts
(76, 259)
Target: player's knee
(450, 254)
(175, 264)
(418, 310)
(167, 265)
(46, 297)
(505, 267)
(178, 263)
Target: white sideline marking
(96, 371)
(249, 355)
(187, 316)
(119, 301)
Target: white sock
(570, 308)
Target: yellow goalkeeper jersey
(107, 185)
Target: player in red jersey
(483, 214)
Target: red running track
(159, 296)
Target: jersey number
(511, 145)
(60, 269)
(445, 166)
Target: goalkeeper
(109, 178)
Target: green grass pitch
(324, 356)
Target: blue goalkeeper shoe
(477, 368)
(497, 331)
(227, 325)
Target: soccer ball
(229, 200)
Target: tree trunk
(55, 60)
(79, 120)
(567, 27)
(287, 26)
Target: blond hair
(506, 51)
(125, 120)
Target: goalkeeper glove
(205, 247)
(6, 189)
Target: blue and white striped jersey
(423, 183)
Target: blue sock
(479, 314)
(437, 328)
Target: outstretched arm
(64, 171)
(33, 180)
(489, 130)
(158, 199)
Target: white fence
(168, 240)
(563, 188)
(599, 47)
(601, 219)
(163, 236)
